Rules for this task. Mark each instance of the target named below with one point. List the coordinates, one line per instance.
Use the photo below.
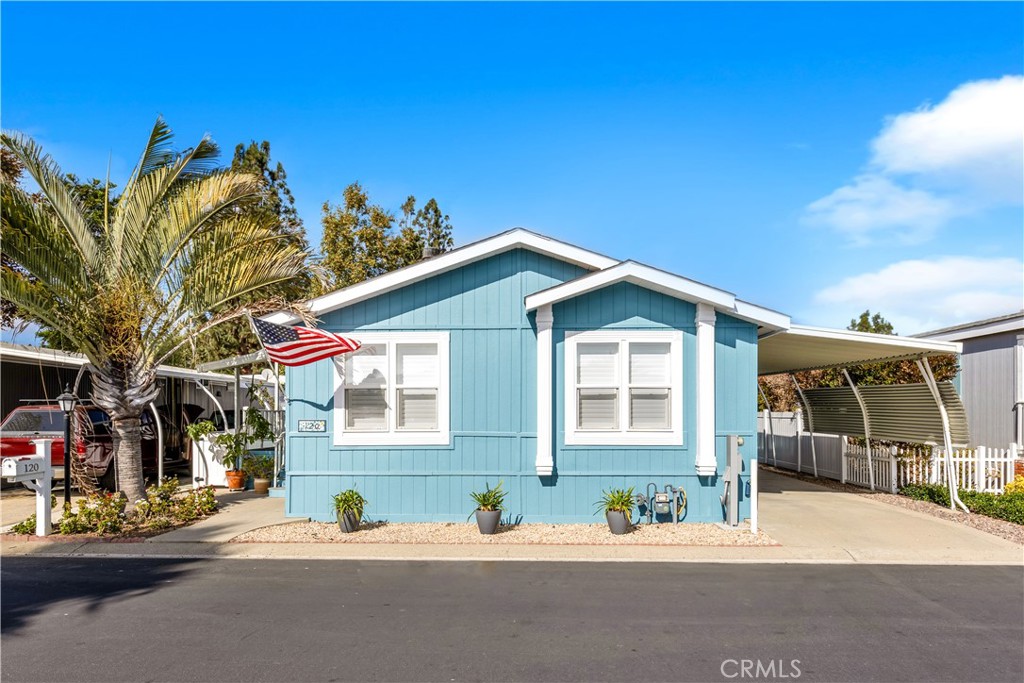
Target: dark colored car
(92, 438)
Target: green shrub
(489, 500)
(28, 526)
(1015, 486)
(351, 501)
(1008, 506)
(616, 500)
(98, 513)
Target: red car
(92, 438)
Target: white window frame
(624, 436)
(392, 436)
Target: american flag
(301, 345)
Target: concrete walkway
(813, 525)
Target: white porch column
(704, 443)
(545, 458)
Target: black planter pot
(487, 521)
(618, 522)
(348, 522)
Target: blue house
(557, 370)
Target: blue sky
(818, 159)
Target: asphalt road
(235, 620)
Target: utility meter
(661, 503)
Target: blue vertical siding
(493, 393)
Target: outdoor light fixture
(67, 402)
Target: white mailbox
(34, 472)
(25, 468)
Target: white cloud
(976, 134)
(873, 203)
(961, 156)
(923, 294)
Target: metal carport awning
(811, 348)
(897, 412)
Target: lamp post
(67, 401)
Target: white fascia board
(975, 330)
(669, 284)
(638, 274)
(54, 357)
(506, 241)
(908, 344)
(772, 321)
(38, 355)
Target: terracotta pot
(260, 485)
(236, 480)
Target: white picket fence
(977, 469)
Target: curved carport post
(810, 423)
(929, 379)
(867, 427)
(768, 424)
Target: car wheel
(108, 480)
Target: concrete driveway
(815, 521)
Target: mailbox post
(34, 472)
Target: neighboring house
(991, 377)
(519, 358)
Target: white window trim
(624, 436)
(393, 437)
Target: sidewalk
(814, 525)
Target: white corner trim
(706, 461)
(545, 462)
(506, 241)
(439, 437)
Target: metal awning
(810, 348)
(897, 412)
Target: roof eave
(512, 239)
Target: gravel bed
(997, 527)
(522, 534)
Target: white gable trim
(659, 281)
(506, 241)
(1007, 323)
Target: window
(623, 387)
(394, 390)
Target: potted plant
(234, 445)
(261, 469)
(489, 506)
(349, 505)
(618, 509)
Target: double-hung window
(394, 391)
(623, 388)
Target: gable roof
(517, 238)
(660, 281)
(1012, 322)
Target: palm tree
(178, 254)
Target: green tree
(362, 240)
(277, 206)
(179, 253)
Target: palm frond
(66, 206)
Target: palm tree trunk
(128, 456)
(123, 390)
